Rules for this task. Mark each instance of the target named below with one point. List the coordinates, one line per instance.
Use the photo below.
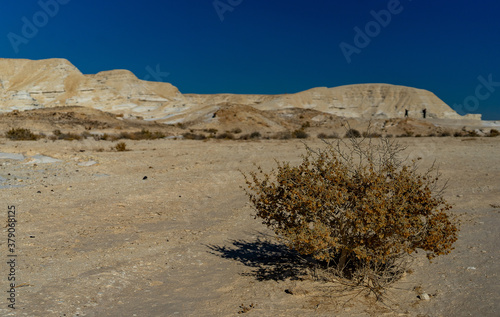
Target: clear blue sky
(451, 48)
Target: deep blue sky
(272, 47)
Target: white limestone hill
(31, 84)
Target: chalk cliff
(30, 84)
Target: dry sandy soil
(166, 230)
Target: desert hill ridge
(33, 84)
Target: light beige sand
(101, 240)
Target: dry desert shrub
(58, 135)
(358, 211)
(300, 134)
(473, 133)
(352, 133)
(493, 133)
(284, 135)
(121, 147)
(21, 134)
(193, 136)
(105, 137)
(253, 135)
(144, 134)
(226, 136)
(368, 134)
(181, 125)
(328, 136)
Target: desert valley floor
(165, 230)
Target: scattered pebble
(42, 159)
(296, 291)
(424, 296)
(87, 163)
(12, 156)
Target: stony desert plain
(164, 228)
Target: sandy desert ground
(165, 230)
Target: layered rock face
(28, 84)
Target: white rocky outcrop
(28, 84)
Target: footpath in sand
(166, 230)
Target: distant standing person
(406, 113)
(424, 112)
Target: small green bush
(493, 133)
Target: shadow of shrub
(270, 261)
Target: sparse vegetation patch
(300, 134)
(21, 134)
(58, 135)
